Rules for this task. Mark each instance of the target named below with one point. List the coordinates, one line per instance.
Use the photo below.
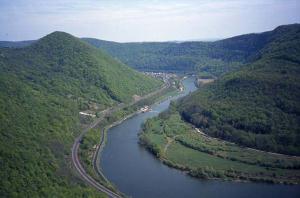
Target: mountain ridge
(215, 58)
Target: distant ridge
(16, 44)
(215, 57)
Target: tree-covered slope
(42, 87)
(169, 56)
(216, 58)
(259, 105)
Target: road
(75, 159)
(86, 176)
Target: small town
(161, 75)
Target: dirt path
(246, 148)
(169, 142)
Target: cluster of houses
(164, 76)
(145, 109)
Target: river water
(138, 174)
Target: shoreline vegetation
(182, 146)
(94, 140)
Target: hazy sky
(144, 20)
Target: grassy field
(181, 146)
(231, 151)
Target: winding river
(138, 174)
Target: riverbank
(138, 173)
(158, 99)
(209, 158)
(91, 162)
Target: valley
(70, 122)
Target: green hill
(215, 58)
(259, 105)
(255, 109)
(42, 88)
(189, 57)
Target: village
(161, 75)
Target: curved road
(75, 159)
(87, 177)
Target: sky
(144, 20)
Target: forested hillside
(42, 87)
(259, 105)
(175, 57)
(215, 58)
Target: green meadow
(180, 145)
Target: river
(138, 174)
